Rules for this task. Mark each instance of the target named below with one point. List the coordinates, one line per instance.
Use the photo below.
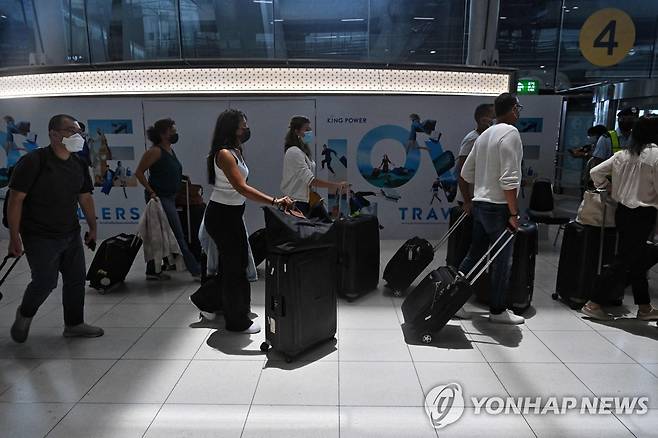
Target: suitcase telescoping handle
(489, 260)
(11, 268)
(451, 230)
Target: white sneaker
(463, 314)
(209, 316)
(253, 329)
(507, 317)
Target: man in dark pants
(494, 169)
(45, 189)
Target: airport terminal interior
(328, 218)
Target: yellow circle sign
(607, 36)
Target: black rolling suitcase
(11, 268)
(437, 298)
(113, 261)
(411, 259)
(521, 285)
(300, 299)
(258, 244)
(585, 257)
(358, 255)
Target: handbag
(289, 230)
(590, 211)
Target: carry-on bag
(585, 256)
(113, 261)
(412, 258)
(357, 245)
(11, 268)
(437, 298)
(258, 244)
(300, 299)
(191, 209)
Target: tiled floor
(159, 372)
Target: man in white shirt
(484, 115)
(494, 169)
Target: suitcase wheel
(397, 292)
(264, 347)
(426, 338)
(555, 296)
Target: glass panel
(131, 30)
(636, 64)
(227, 28)
(527, 38)
(18, 36)
(321, 29)
(428, 31)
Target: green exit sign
(527, 86)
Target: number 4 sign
(606, 37)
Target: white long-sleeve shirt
(494, 164)
(297, 174)
(634, 177)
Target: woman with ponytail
(227, 172)
(298, 166)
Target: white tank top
(223, 192)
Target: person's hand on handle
(153, 195)
(468, 207)
(343, 186)
(90, 239)
(286, 202)
(514, 221)
(15, 247)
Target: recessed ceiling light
(352, 19)
(432, 52)
(542, 66)
(575, 8)
(424, 18)
(503, 18)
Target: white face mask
(74, 143)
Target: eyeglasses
(71, 130)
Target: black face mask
(173, 138)
(246, 135)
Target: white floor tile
(167, 343)
(623, 380)
(652, 367)
(57, 381)
(639, 348)
(132, 315)
(198, 421)
(583, 347)
(11, 370)
(30, 420)
(510, 344)
(221, 345)
(292, 422)
(555, 320)
(298, 383)
(383, 317)
(217, 382)
(106, 421)
(379, 384)
(137, 381)
(642, 425)
(55, 317)
(373, 346)
(476, 379)
(178, 316)
(575, 424)
(481, 425)
(385, 422)
(451, 344)
(157, 292)
(540, 379)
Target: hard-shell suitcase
(258, 244)
(437, 298)
(521, 284)
(113, 261)
(300, 300)
(585, 256)
(358, 255)
(411, 259)
(11, 268)
(194, 214)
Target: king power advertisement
(398, 152)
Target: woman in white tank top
(227, 172)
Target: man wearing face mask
(45, 189)
(165, 176)
(617, 139)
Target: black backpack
(41, 152)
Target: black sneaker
(21, 327)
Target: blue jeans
(48, 257)
(169, 206)
(489, 222)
